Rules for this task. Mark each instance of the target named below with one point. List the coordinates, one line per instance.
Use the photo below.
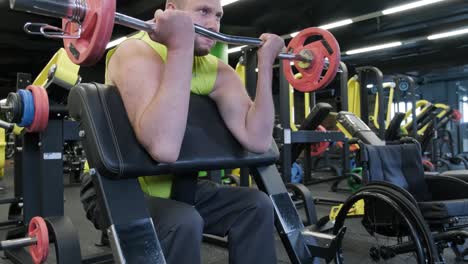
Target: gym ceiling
(417, 55)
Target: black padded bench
(358, 129)
(118, 160)
(317, 115)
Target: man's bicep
(136, 74)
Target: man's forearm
(261, 115)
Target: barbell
(27, 108)
(87, 28)
(37, 241)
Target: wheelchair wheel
(387, 232)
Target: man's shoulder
(132, 48)
(130, 54)
(223, 67)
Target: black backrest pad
(400, 165)
(112, 148)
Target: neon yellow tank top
(205, 69)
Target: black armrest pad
(446, 188)
(112, 148)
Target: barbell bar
(76, 11)
(87, 26)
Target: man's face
(208, 14)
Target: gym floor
(211, 254)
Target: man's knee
(261, 203)
(180, 230)
(189, 222)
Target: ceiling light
(329, 26)
(337, 24)
(384, 85)
(448, 34)
(115, 42)
(374, 48)
(227, 2)
(409, 6)
(294, 34)
(236, 49)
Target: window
(464, 109)
(403, 107)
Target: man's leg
(179, 227)
(245, 215)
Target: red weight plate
(33, 126)
(38, 229)
(96, 32)
(456, 115)
(317, 149)
(428, 166)
(352, 147)
(326, 47)
(41, 109)
(44, 100)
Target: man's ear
(171, 5)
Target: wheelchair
(409, 216)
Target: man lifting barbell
(153, 71)
(155, 82)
